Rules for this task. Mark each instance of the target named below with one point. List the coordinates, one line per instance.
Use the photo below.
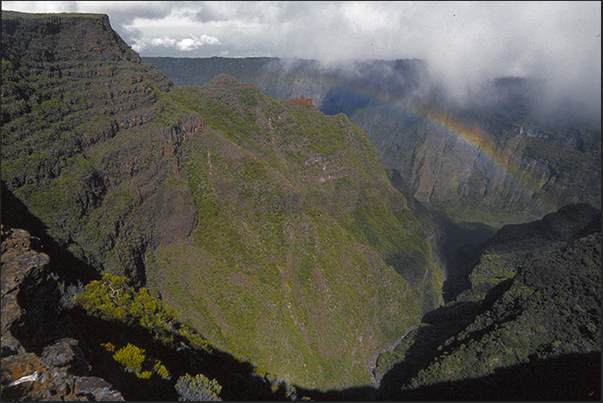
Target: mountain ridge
(216, 197)
(310, 208)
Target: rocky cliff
(75, 92)
(60, 371)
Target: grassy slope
(295, 218)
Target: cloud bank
(183, 45)
(465, 44)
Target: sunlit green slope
(273, 230)
(302, 256)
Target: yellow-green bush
(133, 359)
(113, 299)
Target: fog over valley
(465, 44)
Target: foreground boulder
(59, 373)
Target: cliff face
(74, 69)
(493, 155)
(77, 104)
(273, 230)
(483, 156)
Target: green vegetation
(491, 271)
(484, 211)
(77, 98)
(534, 296)
(542, 308)
(198, 388)
(326, 137)
(133, 359)
(389, 359)
(273, 230)
(550, 309)
(113, 299)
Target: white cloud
(194, 42)
(185, 45)
(165, 41)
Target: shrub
(113, 299)
(198, 388)
(133, 359)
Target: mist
(465, 45)
(551, 44)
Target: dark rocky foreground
(61, 371)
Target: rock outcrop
(61, 371)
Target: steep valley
(359, 249)
(273, 230)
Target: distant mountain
(496, 159)
(273, 230)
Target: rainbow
(473, 137)
(477, 139)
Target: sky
(464, 43)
